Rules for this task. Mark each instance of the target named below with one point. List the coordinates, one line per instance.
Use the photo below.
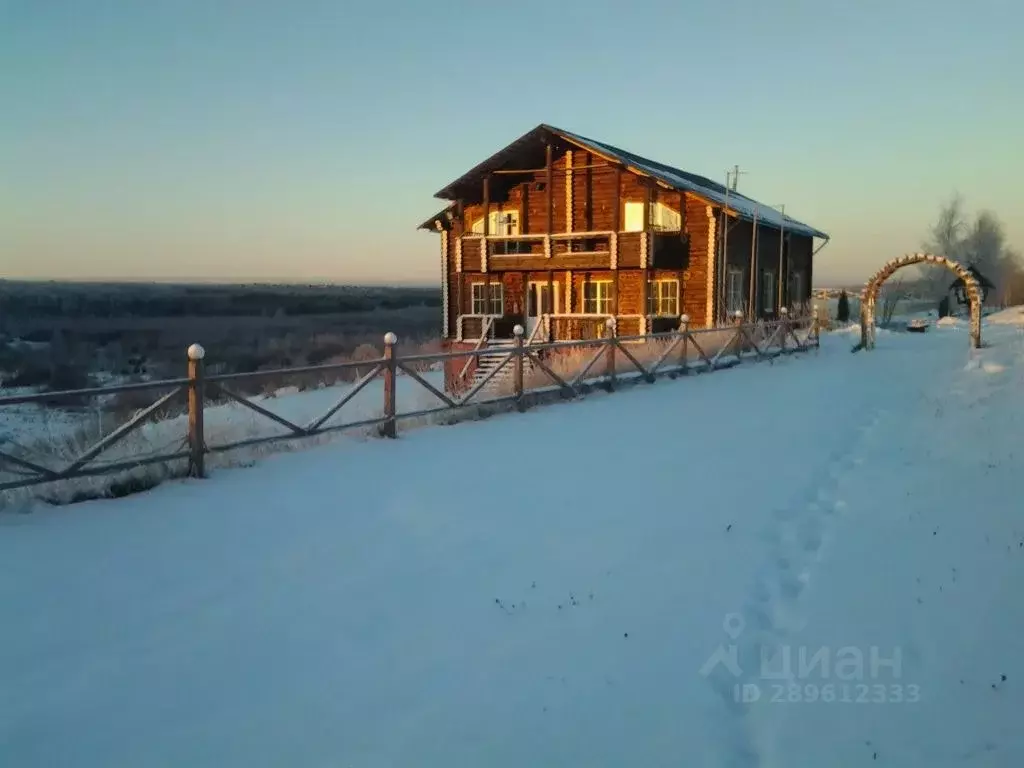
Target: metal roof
(738, 204)
(743, 206)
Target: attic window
(500, 223)
(663, 218)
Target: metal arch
(869, 294)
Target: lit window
(597, 297)
(663, 297)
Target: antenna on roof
(734, 175)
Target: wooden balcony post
(517, 374)
(549, 167)
(609, 360)
(196, 436)
(390, 370)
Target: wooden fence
(680, 352)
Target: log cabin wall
(583, 193)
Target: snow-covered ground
(583, 584)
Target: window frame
(768, 289)
(658, 214)
(598, 298)
(656, 296)
(487, 298)
(730, 306)
(796, 288)
(495, 219)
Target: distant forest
(20, 300)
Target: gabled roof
(983, 281)
(683, 181)
(440, 216)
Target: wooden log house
(559, 233)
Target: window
(634, 217)
(597, 297)
(768, 291)
(734, 290)
(499, 223)
(796, 288)
(663, 218)
(485, 303)
(663, 297)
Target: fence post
(814, 324)
(196, 437)
(740, 341)
(517, 373)
(390, 369)
(783, 328)
(684, 328)
(609, 358)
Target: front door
(541, 301)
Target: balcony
(670, 250)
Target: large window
(597, 297)
(796, 289)
(734, 290)
(663, 218)
(663, 297)
(499, 223)
(768, 291)
(488, 299)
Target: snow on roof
(743, 206)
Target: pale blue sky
(250, 140)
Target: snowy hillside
(585, 584)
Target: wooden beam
(617, 201)
(549, 167)
(645, 290)
(524, 213)
(752, 299)
(513, 172)
(589, 200)
(648, 206)
(568, 192)
(487, 204)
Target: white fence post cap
(390, 338)
(518, 330)
(196, 352)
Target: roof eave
(448, 191)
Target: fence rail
(526, 373)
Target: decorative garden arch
(870, 294)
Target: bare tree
(1011, 288)
(945, 238)
(985, 246)
(979, 242)
(891, 294)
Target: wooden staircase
(501, 382)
